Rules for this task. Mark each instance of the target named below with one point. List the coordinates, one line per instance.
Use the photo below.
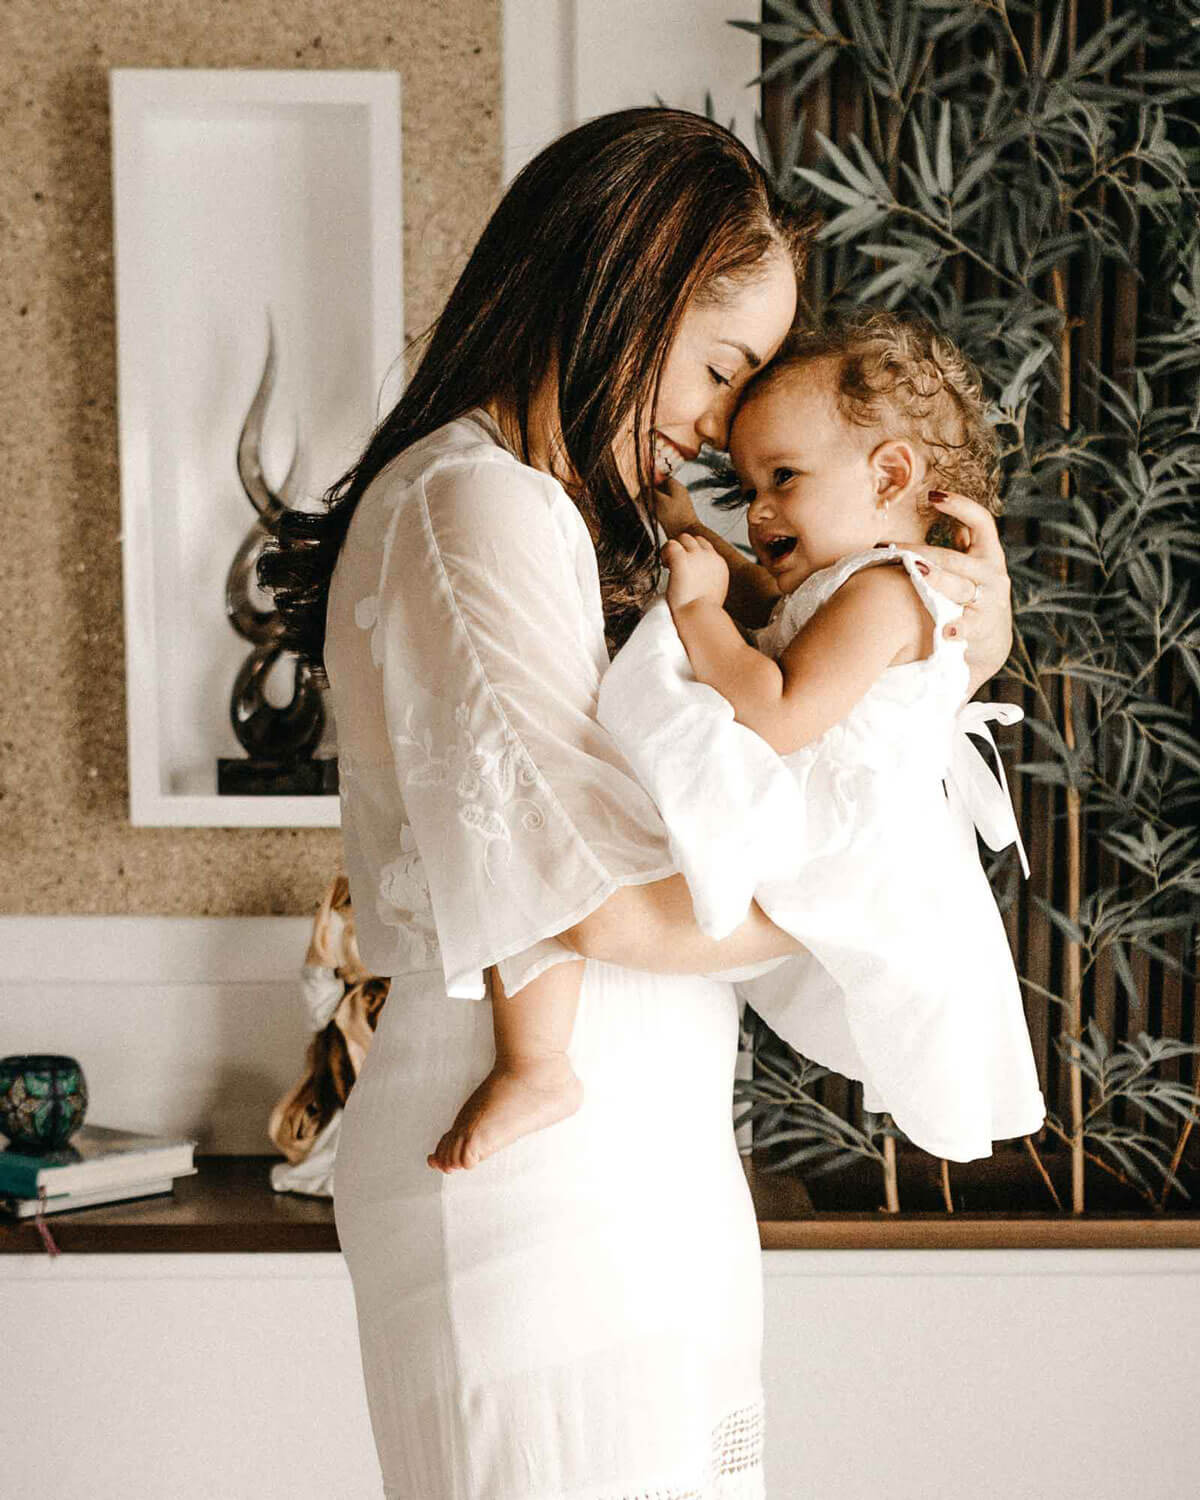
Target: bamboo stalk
(890, 1184)
(1180, 1144)
(1037, 1161)
(946, 1197)
(1073, 986)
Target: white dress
(580, 1316)
(863, 845)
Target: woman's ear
(896, 468)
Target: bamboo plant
(1032, 185)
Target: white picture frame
(236, 191)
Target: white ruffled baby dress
(863, 845)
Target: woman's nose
(713, 426)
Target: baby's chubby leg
(533, 1083)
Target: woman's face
(718, 347)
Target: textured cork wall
(66, 844)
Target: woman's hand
(674, 508)
(977, 579)
(698, 571)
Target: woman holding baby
(561, 1296)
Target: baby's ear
(895, 466)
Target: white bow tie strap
(972, 788)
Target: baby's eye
(781, 476)
(718, 377)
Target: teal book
(97, 1156)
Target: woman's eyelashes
(718, 378)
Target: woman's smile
(668, 456)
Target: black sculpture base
(277, 778)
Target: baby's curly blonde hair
(900, 375)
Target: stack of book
(99, 1165)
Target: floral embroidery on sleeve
(366, 617)
(404, 901)
(485, 779)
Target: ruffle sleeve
(488, 630)
(722, 791)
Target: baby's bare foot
(516, 1097)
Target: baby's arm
(753, 593)
(873, 621)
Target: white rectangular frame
(226, 182)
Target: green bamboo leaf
(820, 65)
(1023, 375)
(786, 61)
(980, 165)
(849, 171)
(823, 17)
(1060, 920)
(926, 203)
(839, 191)
(945, 165)
(1125, 974)
(924, 167)
(790, 11)
(1053, 40)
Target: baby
(831, 778)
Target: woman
(579, 1316)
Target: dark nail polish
(936, 495)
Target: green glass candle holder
(43, 1100)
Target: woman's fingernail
(924, 567)
(936, 495)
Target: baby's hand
(698, 571)
(674, 508)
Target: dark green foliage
(1037, 195)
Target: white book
(97, 1156)
(25, 1208)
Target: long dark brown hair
(587, 263)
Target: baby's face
(806, 473)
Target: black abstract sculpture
(279, 742)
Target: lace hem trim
(735, 1463)
(735, 1469)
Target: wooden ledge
(229, 1207)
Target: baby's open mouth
(777, 547)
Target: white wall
(189, 1025)
(567, 60)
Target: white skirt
(580, 1316)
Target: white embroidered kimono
(580, 1316)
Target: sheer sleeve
(488, 630)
